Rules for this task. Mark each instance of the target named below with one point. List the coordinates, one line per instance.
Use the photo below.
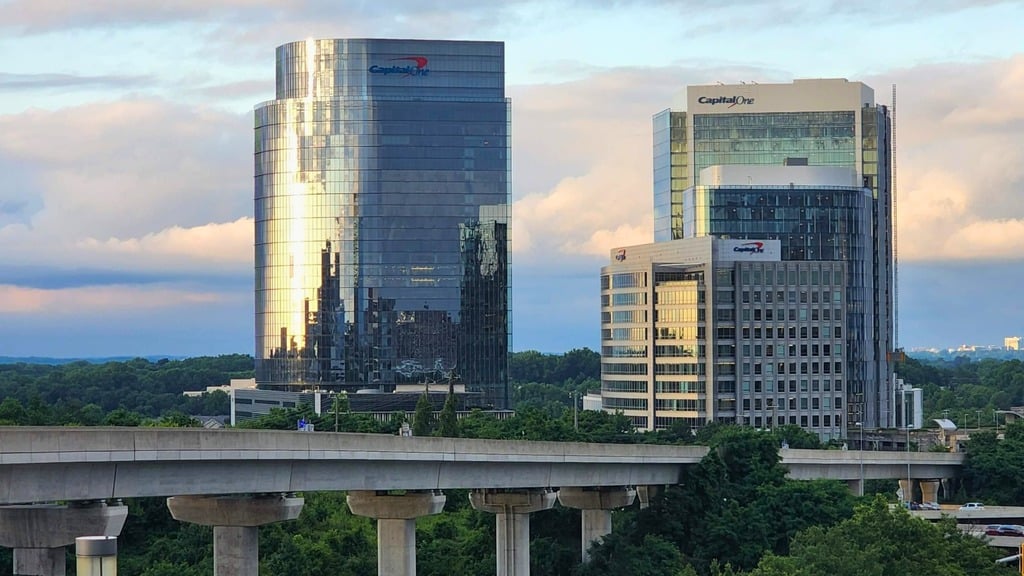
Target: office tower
(706, 329)
(812, 123)
(381, 196)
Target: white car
(972, 506)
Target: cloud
(22, 300)
(34, 82)
(960, 166)
(229, 243)
(583, 158)
(123, 169)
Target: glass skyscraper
(382, 190)
(813, 123)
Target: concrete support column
(929, 490)
(645, 493)
(39, 532)
(396, 525)
(856, 487)
(235, 521)
(907, 486)
(596, 505)
(512, 522)
(947, 488)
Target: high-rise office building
(755, 332)
(812, 123)
(382, 188)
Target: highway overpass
(237, 480)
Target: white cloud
(21, 300)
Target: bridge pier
(38, 533)
(907, 485)
(396, 525)
(236, 521)
(645, 493)
(512, 511)
(856, 487)
(929, 490)
(595, 505)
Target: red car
(1004, 530)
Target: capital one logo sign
(750, 248)
(416, 67)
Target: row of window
(794, 315)
(746, 332)
(780, 404)
(770, 369)
(805, 385)
(792, 296)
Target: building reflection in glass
(381, 200)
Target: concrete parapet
(512, 523)
(39, 532)
(235, 521)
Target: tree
(447, 422)
(423, 419)
(993, 468)
(652, 556)
(878, 541)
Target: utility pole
(575, 411)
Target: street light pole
(906, 422)
(861, 423)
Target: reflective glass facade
(382, 188)
(830, 122)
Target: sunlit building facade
(808, 123)
(706, 330)
(382, 189)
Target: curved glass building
(382, 189)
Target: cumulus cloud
(583, 158)
(960, 166)
(218, 243)
(139, 178)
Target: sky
(126, 150)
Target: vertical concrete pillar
(907, 486)
(396, 525)
(645, 493)
(596, 505)
(512, 511)
(40, 562)
(236, 550)
(235, 521)
(856, 487)
(947, 488)
(929, 490)
(39, 532)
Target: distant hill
(97, 360)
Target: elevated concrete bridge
(236, 480)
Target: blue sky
(126, 155)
